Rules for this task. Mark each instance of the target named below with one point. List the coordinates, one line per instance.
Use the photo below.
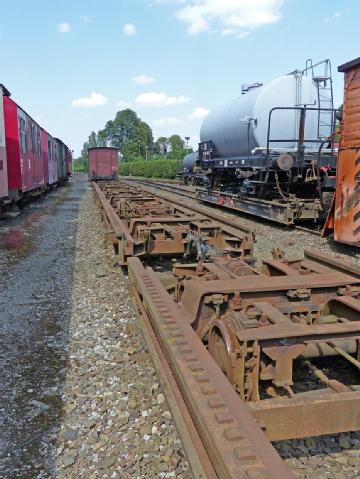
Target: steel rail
(198, 459)
(111, 217)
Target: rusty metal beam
(309, 414)
(198, 458)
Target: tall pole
(187, 138)
(146, 152)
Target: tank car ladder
(325, 100)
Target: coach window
(38, 143)
(50, 151)
(23, 139)
(32, 138)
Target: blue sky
(73, 64)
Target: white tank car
(239, 128)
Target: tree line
(134, 138)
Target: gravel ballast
(116, 422)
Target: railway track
(189, 192)
(210, 321)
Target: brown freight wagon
(103, 163)
(344, 215)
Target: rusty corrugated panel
(351, 118)
(347, 202)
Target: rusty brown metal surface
(305, 412)
(198, 458)
(257, 325)
(236, 444)
(197, 208)
(346, 211)
(228, 338)
(151, 226)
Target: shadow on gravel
(35, 310)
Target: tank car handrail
(303, 109)
(312, 66)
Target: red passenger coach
(31, 160)
(24, 151)
(63, 158)
(68, 156)
(103, 163)
(3, 162)
(49, 159)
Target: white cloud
(95, 99)
(168, 121)
(124, 104)
(64, 27)
(85, 18)
(232, 17)
(129, 29)
(198, 113)
(160, 99)
(332, 17)
(143, 79)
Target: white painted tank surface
(241, 125)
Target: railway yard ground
(81, 397)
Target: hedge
(150, 168)
(80, 166)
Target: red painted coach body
(49, 159)
(24, 150)
(31, 160)
(3, 162)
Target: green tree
(161, 144)
(93, 141)
(126, 131)
(176, 143)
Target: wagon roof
(346, 66)
(5, 90)
(103, 148)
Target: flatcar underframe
(234, 338)
(256, 325)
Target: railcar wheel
(222, 345)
